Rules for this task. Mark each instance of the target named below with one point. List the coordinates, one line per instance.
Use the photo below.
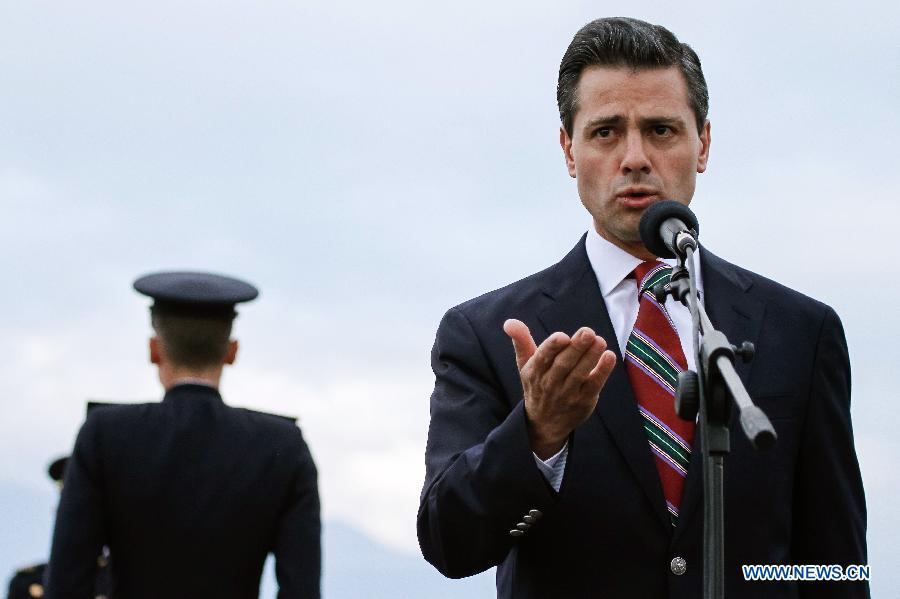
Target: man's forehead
(655, 89)
(624, 71)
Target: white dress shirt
(613, 265)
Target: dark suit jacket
(190, 495)
(606, 534)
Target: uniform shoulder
(275, 433)
(272, 424)
(278, 420)
(101, 412)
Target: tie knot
(650, 274)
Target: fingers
(597, 377)
(543, 359)
(561, 380)
(580, 363)
(588, 361)
(523, 343)
(583, 341)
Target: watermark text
(806, 572)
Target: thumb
(523, 343)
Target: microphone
(668, 228)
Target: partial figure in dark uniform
(189, 494)
(29, 582)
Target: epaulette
(291, 419)
(95, 405)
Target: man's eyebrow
(617, 119)
(661, 120)
(600, 121)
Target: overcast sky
(370, 164)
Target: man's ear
(231, 356)
(705, 140)
(155, 350)
(565, 142)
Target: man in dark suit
(189, 494)
(553, 450)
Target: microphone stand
(706, 396)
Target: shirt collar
(612, 264)
(193, 388)
(187, 380)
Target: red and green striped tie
(653, 359)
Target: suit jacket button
(678, 566)
(535, 514)
(523, 526)
(516, 532)
(529, 519)
(36, 590)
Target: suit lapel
(577, 302)
(738, 314)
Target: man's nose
(635, 158)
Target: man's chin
(620, 236)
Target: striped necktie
(653, 359)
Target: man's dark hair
(625, 42)
(191, 341)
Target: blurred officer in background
(189, 494)
(29, 582)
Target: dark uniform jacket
(607, 534)
(190, 496)
(27, 583)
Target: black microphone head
(655, 216)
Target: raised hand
(561, 380)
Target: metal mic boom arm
(717, 357)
